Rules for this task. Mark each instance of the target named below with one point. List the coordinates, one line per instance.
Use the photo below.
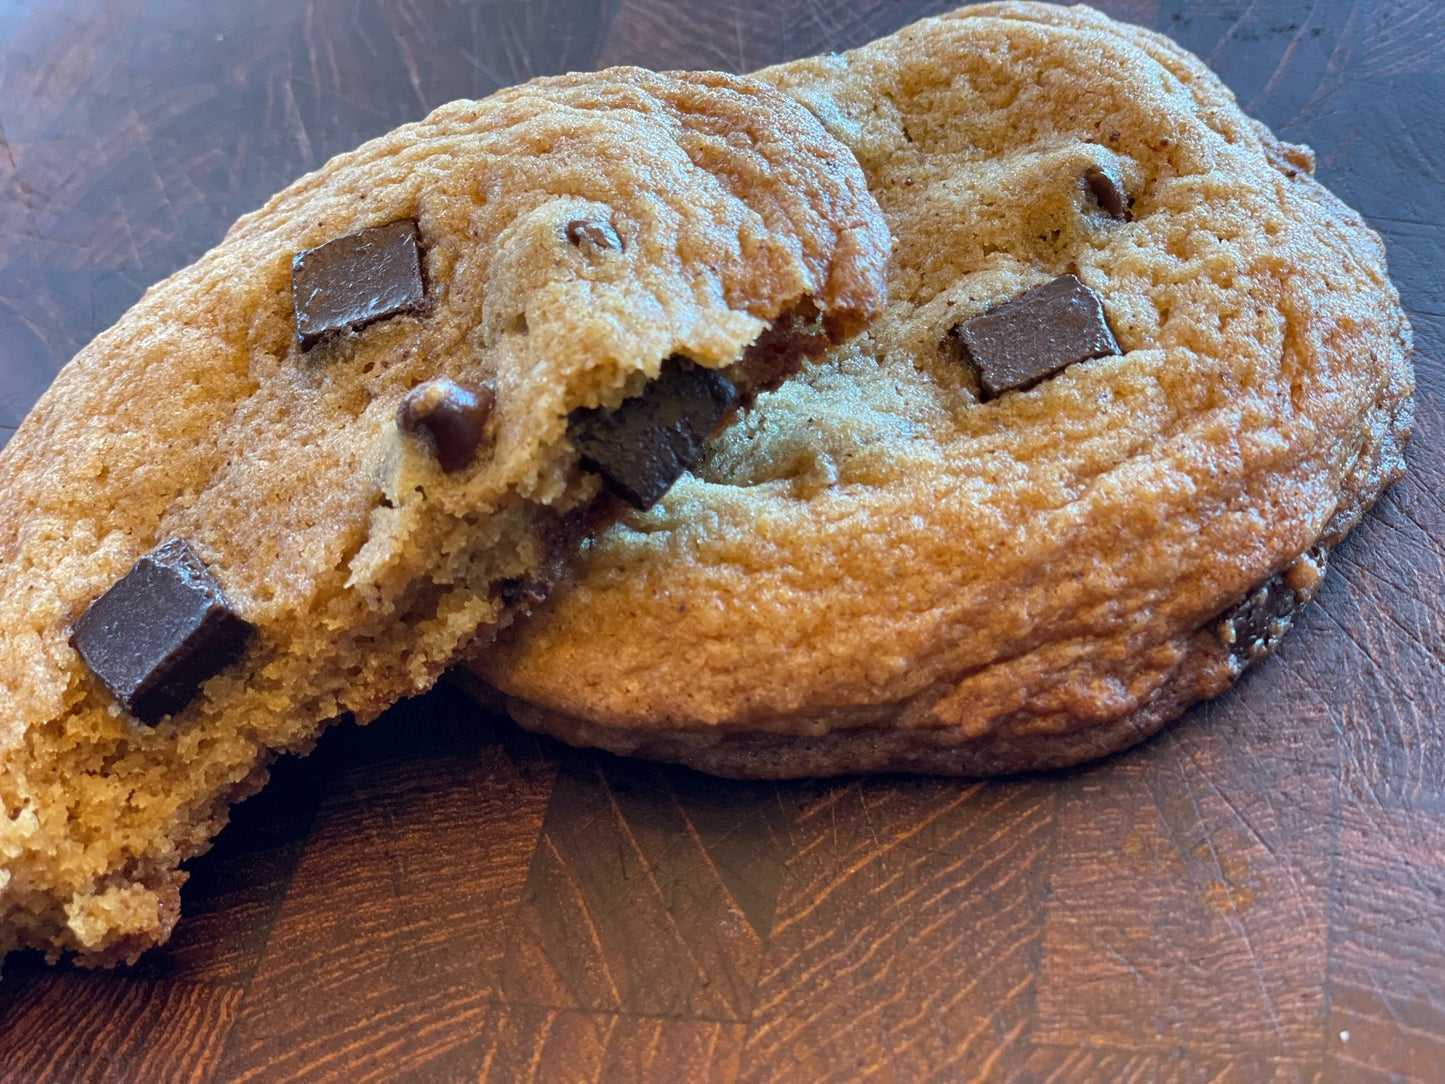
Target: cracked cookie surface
(879, 570)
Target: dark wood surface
(1257, 894)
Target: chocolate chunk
(1018, 343)
(1108, 192)
(356, 280)
(160, 632)
(645, 444)
(583, 232)
(453, 415)
(1252, 628)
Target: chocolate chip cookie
(357, 436)
(1138, 373)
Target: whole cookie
(301, 474)
(1137, 374)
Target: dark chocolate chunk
(644, 445)
(1033, 336)
(594, 232)
(1108, 192)
(163, 629)
(1253, 627)
(356, 280)
(453, 415)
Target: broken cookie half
(302, 474)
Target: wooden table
(1259, 893)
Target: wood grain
(906, 944)
(1258, 894)
(646, 897)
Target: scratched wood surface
(1257, 894)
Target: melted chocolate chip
(597, 233)
(524, 594)
(1035, 335)
(160, 632)
(356, 280)
(454, 416)
(645, 444)
(1109, 192)
(779, 351)
(1253, 627)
